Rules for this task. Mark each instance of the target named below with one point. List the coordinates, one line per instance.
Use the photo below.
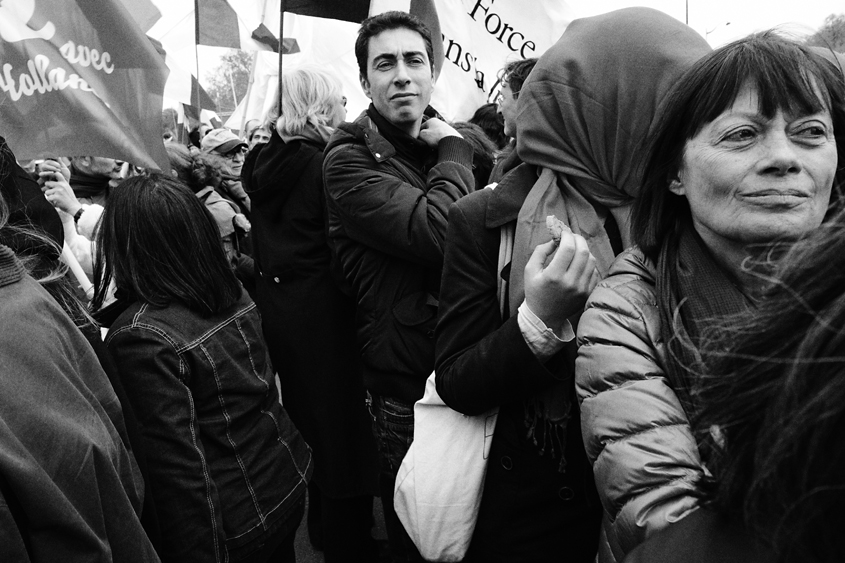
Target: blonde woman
(308, 321)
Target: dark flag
(79, 78)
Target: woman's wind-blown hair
(38, 252)
(159, 244)
(772, 415)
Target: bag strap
(506, 233)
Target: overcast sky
(745, 16)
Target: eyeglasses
(240, 151)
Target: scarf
(693, 292)
(87, 185)
(414, 151)
(582, 118)
(588, 106)
(553, 194)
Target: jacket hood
(588, 105)
(266, 164)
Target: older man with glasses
(232, 152)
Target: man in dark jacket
(390, 178)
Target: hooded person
(582, 117)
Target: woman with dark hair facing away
(307, 318)
(744, 154)
(513, 347)
(492, 123)
(228, 468)
(772, 412)
(483, 151)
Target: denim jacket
(226, 463)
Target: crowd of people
(189, 355)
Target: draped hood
(588, 106)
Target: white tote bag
(439, 484)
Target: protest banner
(477, 37)
(79, 78)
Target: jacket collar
(508, 196)
(11, 269)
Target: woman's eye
(740, 135)
(813, 132)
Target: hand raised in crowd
(560, 289)
(53, 165)
(56, 188)
(433, 130)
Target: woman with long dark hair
(228, 468)
(745, 154)
(772, 414)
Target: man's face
(261, 135)
(234, 160)
(399, 77)
(507, 107)
(101, 166)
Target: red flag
(220, 24)
(347, 10)
(217, 24)
(358, 10)
(79, 78)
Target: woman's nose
(782, 156)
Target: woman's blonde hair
(309, 96)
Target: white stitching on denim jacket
(252, 494)
(219, 326)
(249, 353)
(205, 473)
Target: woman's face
(339, 113)
(749, 179)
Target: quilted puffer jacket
(637, 435)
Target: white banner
(479, 38)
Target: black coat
(308, 321)
(702, 537)
(530, 511)
(388, 203)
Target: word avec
(41, 78)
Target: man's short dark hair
(374, 25)
(515, 73)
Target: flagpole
(197, 62)
(249, 90)
(284, 6)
